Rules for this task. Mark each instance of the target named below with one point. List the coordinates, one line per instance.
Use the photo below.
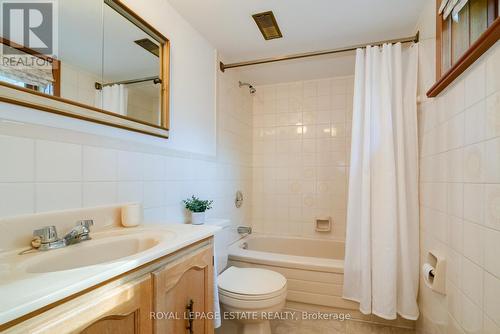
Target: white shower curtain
(382, 243)
(113, 98)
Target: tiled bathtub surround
(460, 191)
(301, 144)
(46, 169)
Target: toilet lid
(251, 281)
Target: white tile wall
(45, 169)
(97, 193)
(18, 156)
(58, 196)
(100, 164)
(17, 198)
(460, 180)
(56, 161)
(300, 155)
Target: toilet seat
(251, 288)
(251, 282)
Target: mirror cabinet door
(80, 49)
(131, 83)
(107, 65)
(73, 62)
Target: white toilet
(250, 295)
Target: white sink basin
(92, 252)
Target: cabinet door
(182, 286)
(124, 309)
(131, 315)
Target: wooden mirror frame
(56, 104)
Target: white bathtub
(314, 268)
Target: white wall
(460, 190)
(50, 162)
(301, 156)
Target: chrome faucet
(79, 233)
(46, 237)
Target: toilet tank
(223, 238)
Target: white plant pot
(197, 218)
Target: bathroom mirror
(107, 65)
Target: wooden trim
(78, 104)
(483, 43)
(68, 114)
(439, 41)
(134, 15)
(56, 73)
(165, 86)
(492, 11)
(193, 247)
(24, 49)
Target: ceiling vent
(267, 25)
(149, 45)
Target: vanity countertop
(26, 285)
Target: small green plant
(194, 204)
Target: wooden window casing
(460, 44)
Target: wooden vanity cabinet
(183, 295)
(123, 309)
(131, 315)
(129, 304)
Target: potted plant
(197, 208)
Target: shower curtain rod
(224, 67)
(156, 80)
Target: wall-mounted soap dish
(324, 224)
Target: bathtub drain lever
(244, 230)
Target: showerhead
(250, 87)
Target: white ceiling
(307, 25)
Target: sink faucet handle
(85, 223)
(46, 234)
